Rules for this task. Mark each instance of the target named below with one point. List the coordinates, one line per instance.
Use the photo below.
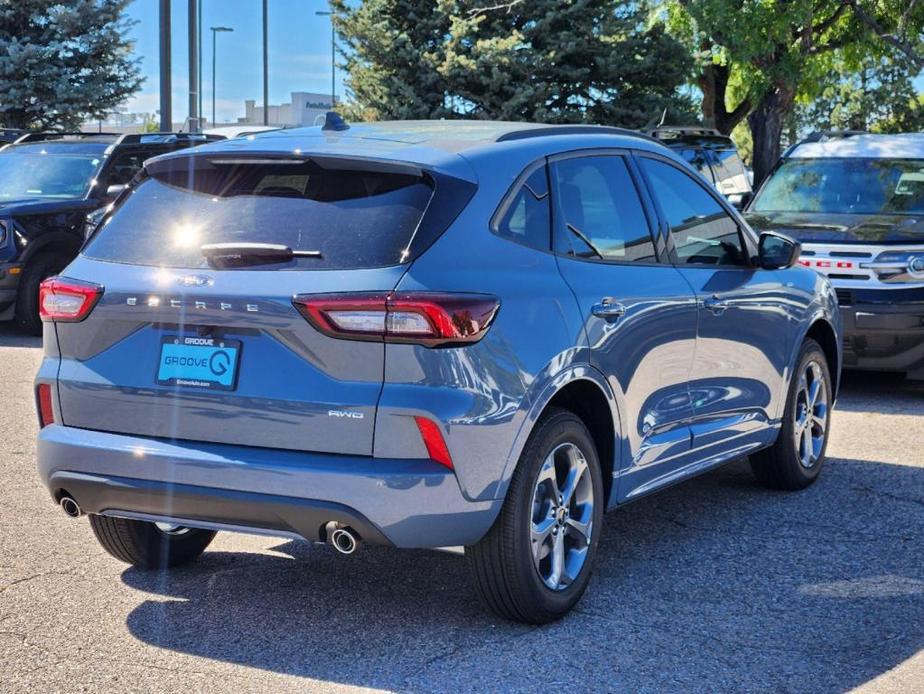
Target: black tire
(146, 546)
(502, 566)
(36, 271)
(780, 467)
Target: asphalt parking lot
(714, 585)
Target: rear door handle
(715, 304)
(608, 308)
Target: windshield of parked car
(351, 218)
(846, 186)
(44, 175)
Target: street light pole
(265, 66)
(333, 57)
(166, 116)
(215, 31)
(199, 46)
(193, 66)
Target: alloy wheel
(810, 415)
(562, 516)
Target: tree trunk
(766, 123)
(713, 82)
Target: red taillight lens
(46, 412)
(67, 301)
(434, 441)
(424, 318)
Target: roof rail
(682, 130)
(58, 135)
(823, 135)
(549, 130)
(166, 138)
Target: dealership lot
(716, 584)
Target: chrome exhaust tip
(343, 539)
(70, 507)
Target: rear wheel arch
(583, 391)
(57, 243)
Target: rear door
(640, 315)
(178, 349)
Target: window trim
(647, 209)
(745, 234)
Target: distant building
(305, 108)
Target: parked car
(714, 155)
(424, 334)
(49, 183)
(8, 135)
(856, 202)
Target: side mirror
(112, 192)
(740, 200)
(777, 251)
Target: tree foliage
(778, 51)
(543, 60)
(63, 63)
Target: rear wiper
(581, 235)
(229, 255)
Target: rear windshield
(846, 186)
(353, 218)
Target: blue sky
(299, 53)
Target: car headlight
(898, 266)
(3, 232)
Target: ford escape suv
(856, 202)
(424, 334)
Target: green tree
(771, 52)
(63, 63)
(542, 60)
(879, 96)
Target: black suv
(711, 153)
(856, 203)
(49, 183)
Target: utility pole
(265, 67)
(333, 57)
(193, 66)
(166, 116)
(199, 44)
(215, 32)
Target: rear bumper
(884, 336)
(406, 503)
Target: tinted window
(123, 167)
(851, 186)
(354, 218)
(730, 174)
(699, 160)
(703, 232)
(601, 214)
(38, 175)
(526, 218)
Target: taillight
(67, 301)
(46, 412)
(425, 318)
(434, 441)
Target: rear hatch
(188, 349)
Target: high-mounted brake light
(425, 318)
(67, 301)
(46, 412)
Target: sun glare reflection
(186, 235)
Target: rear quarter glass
(354, 218)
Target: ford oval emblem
(196, 281)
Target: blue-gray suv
(424, 334)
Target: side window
(527, 217)
(600, 213)
(124, 166)
(703, 232)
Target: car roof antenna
(334, 121)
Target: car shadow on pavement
(12, 336)
(714, 584)
(884, 393)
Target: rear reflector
(46, 412)
(67, 301)
(434, 441)
(424, 318)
